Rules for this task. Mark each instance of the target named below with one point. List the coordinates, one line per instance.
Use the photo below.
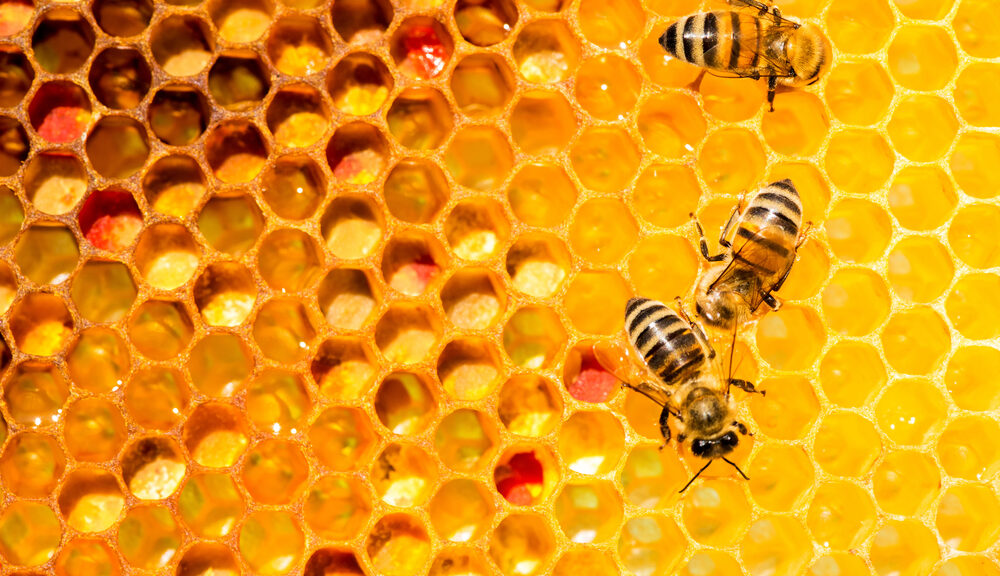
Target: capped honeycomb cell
(35, 394)
(174, 185)
(798, 126)
(533, 337)
(780, 477)
(465, 440)
(156, 398)
(277, 402)
(922, 128)
(182, 45)
(859, 161)
(275, 472)
(55, 182)
(522, 544)
(283, 330)
(32, 464)
(225, 294)
(790, 339)
(149, 537)
(362, 21)
(858, 230)
(337, 507)
(236, 151)
(859, 27)
(29, 547)
(210, 504)
(342, 438)
(716, 512)
(482, 84)
(421, 47)
(859, 93)
(160, 329)
(94, 430)
(178, 115)
(485, 22)
(120, 77)
(922, 57)
(215, 435)
(398, 545)
(856, 301)
(357, 154)
(776, 543)
(59, 111)
(359, 84)
(461, 510)
(968, 378)
(91, 500)
(841, 515)
(906, 482)
(603, 231)
(904, 547)
(968, 448)
(526, 475)
(469, 369)
(352, 227)
(529, 405)
(271, 542)
(971, 160)
(41, 324)
(546, 51)
(915, 341)
(651, 478)
(62, 41)
(343, 368)
(538, 264)
(846, 444)
(591, 442)
(297, 116)
(971, 307)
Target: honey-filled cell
(91, 500)
(967, 448)
(780, 477)
(671, 124)
(971, 307)
(851, 372)
(716, 512)
(542, 122)
(846, 444)
(859, 92)
(546, 51)
(777, 543)
(968, 378)
(904, 547)
(859, 27)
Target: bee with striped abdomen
(755, 262)
(678, 371)
(754, 43)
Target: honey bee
(751, 44)
(678, 372)
(755, 262)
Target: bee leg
(772, 302)
(703, 243)
(737, 210)
(804, 234)
(772, 85)
(665, 427)
(746, 386)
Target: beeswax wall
(293, 287)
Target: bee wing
(766, 67)
(763, 10)
(618, 360)
(753, 249)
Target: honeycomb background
(293, 288)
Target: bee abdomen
(666, 343)
(695, 39)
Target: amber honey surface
(293, 287)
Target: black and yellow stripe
(665, 341)
(724, 41)
(771, 224)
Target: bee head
(810, 54)
(710, 448)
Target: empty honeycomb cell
(298, 45)
(733, 101)
(41, 324)
(790, 339)
(289, 260)
(972, 308)
(359, 84)
(591, 442)
(103, 291)
(841, 515)
(62, 41)
(362, 21)
(30, 533)
(152, 467)
(465, 440)
(671, 125)
(476, 228)
(15, 16)
(731, 161)
(915, 341)
(94, 430)
(160, 329)
(920, 269)
(859, 93)
(858, 230)
(283, 330)
(546, 51)
(859, 161)
(969, 379)
(533, 337)
(123, 17)
(343, 368)
(780, 477)
(798, 126)
(35, 394)
(469, 369)
(776, 545)
(271, 542)
(665, 195)
(32, 464)
(59, 111)
(846, 444)
(357, 154)
(407, 333)
(236, 151)
(166, 256)
(297, 116)
(479, 157)
(398, 545)
(922, 197)
(651, 545)
(244, 23)
(595, 302)
(485, 23)
(178, 114)
(968, 450)
(337, 507)
(856, 301)
(526, 475)
(541, 195)
(716, 512)
(117, 147)
(225, 294)
(275, 472)
(14, 146)
(60, 250)
(911, 411)
(149, 537)
(11, 214)
(603, 231)
(182, 45)
(542, 122)
(405, 404)
(904, 547)
(419, 119)
(55, 182)
(238, 80)
(851, 372)
(971, 87)
(461, 510)
(607, 86)
(99, 360)
(788, 410)
(210, 504)
(174, 185)
(923, 127)
(207, 558)
(86, 557)
(972, 161)
(538, 264)
(482, 84)
(529, 405)
(215, 435)
(231, 225)
(421, 47)
(342, 438)
(91, 500)
(412, 263)
(347, 298)
(922, 57)
(156, 398)
(975, 28)
(277, 402)
(120, 78)
(522, 545)
(859, 27)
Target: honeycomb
(301, 287)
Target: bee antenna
(731, 463)
(695, 477)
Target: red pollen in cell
(425, 50)
(110, 219)
(593, 383)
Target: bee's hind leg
(699, 332)
(769, 299)
(772, 86)
(703, 242)
(746, 386)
